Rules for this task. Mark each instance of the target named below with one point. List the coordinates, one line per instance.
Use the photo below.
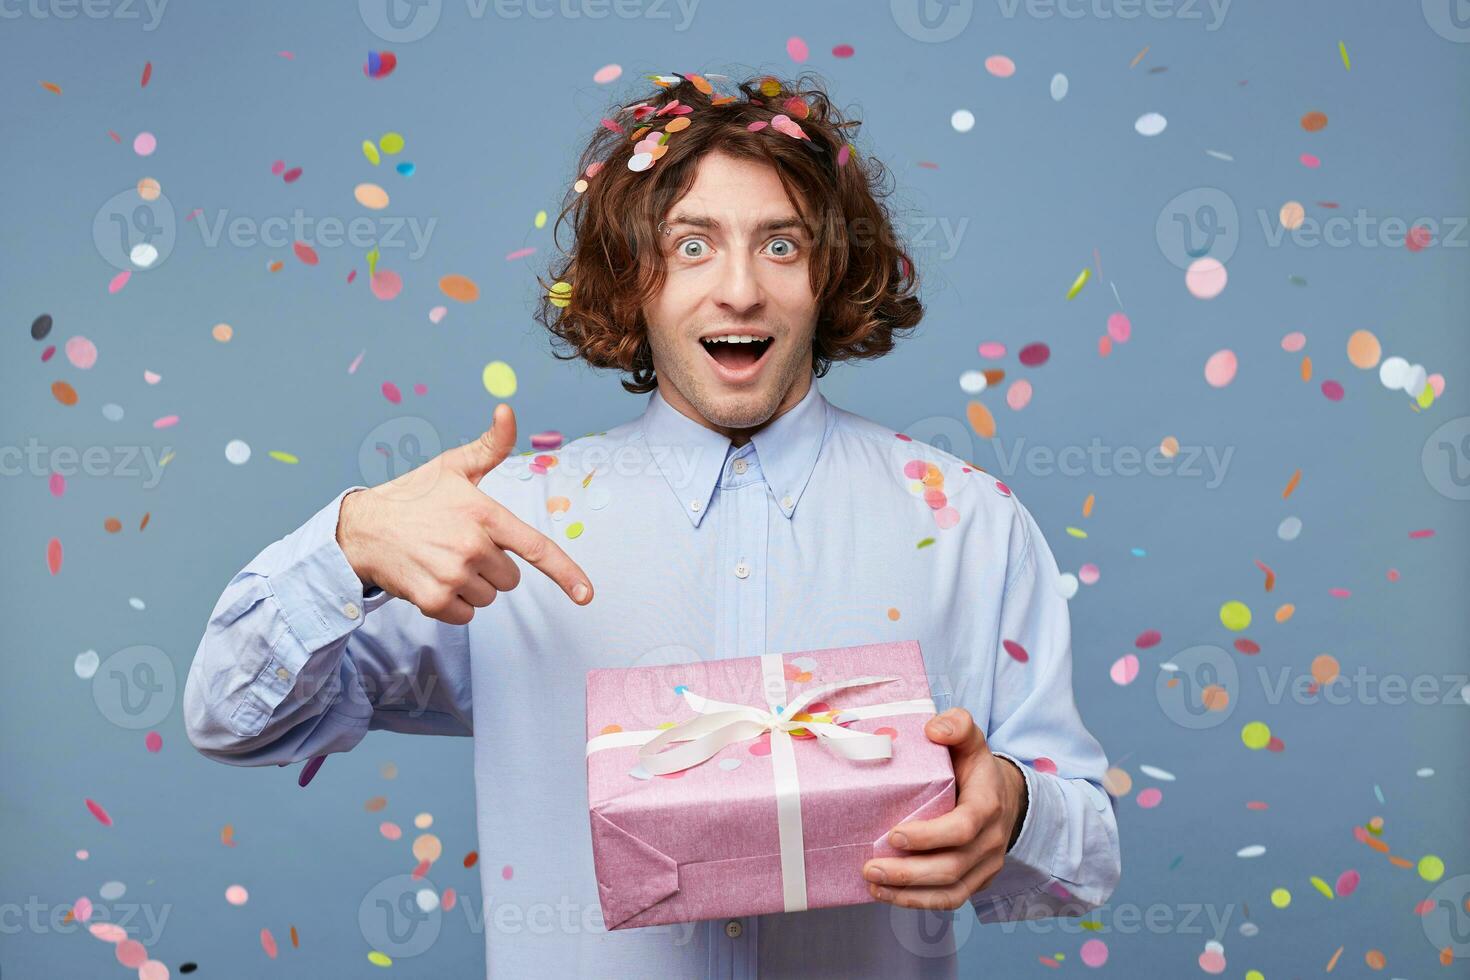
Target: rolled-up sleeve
(1066, 859)
(296, 662)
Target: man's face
(737, 261)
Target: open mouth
(737, 353)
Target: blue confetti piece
(405, 168)
(1378, 792)
(1138, 552)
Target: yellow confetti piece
(283, 457)
(560, 295)
(372, 261)
(575, 530)
(1256, 735)
(391, 143)
(1235, 615)
(926, 542)
(1426, 397)
(166, 457)
(1082, 278)
(1431, 868)
(1342, 49)
(540, 219)
(1076, 532)
(1322, 886)
(499, 379)
(1280, 898)
(379, 959)
(371, 152)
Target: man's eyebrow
(703, 221)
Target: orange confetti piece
(63, 393)
(1333, 962)
(1376, 844)
(295, 941)
(1087, 505)
(1399, 862)
(112, 525)
(980, 420)
(51, 87)
(1306, 368)
(1291, 484)
(460, 288)
(144, 522)
(1270, 575)
(227, 835)
(1314, 122)
(1138, 57)
(53, 555)
(471, 858)
(1285, 612)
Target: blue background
(493, 109)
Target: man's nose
(739, 288)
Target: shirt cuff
(1043, 828)
(319, 594)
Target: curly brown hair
(865, 284)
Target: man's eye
(684, 248)
(782, 248)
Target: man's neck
(738, 436)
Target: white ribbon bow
(721, 724)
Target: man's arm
(295, 661)
(1068, 840)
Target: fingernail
(943, 728)
(875, 874)
(885, 893)
(580, 592)
(898, 840)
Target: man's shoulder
(526, 479)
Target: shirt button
(351, 611)
(733, 929)
(786, 501)
(742, 570)
(740, 466)
(283, 673)
(694, 505)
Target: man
(725, 263)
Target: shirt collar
(692, 456)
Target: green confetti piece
(1079, 283)
(1342, 47)
(1321, 886)
(926, 542)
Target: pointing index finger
(514, 534)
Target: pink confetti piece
(1427, 532)
(292, 175)
(1339, 593)
(153, 741)
(420, 869)
(1018, 653)
(81, 909)
(278, 168)
(506, 872)
(165, 421)
(58, 485)
(796, 49)
(108, 932)
(420, 388)
(53, 561)
(447, 900)
(352, 368)
(152, 377)
(391, 392)
(386, 284)
(97, 810)
(268, 943)
(842, 51)
(390, 830)
(119, 281)
(520, 253)
(305, 253)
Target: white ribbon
(721, 723)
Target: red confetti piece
(842, 51)
(99, 813)
(153, 741)
(1270, 575)
(1427, 532)
(1017, 652)
(147, 74)
(421, 869)
(1035, 355)
(291, 176)
(1148, 638)
(471, 859)
(305, 253)
(53, 555)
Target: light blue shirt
(814, 534)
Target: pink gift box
(775, 820)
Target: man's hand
(957, 854)
(433, 537)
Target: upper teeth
(733, 338)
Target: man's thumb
(479, 456)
